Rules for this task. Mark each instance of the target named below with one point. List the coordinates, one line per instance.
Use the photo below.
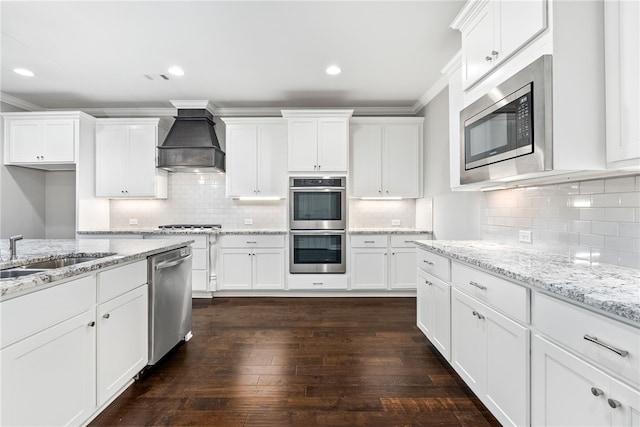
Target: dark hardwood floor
(304, 362)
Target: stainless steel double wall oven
(317, 224)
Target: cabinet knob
(478, 315)
(596, 391)
(106, 316)
(92, 324)
(387, 191)
(315, 167)
(494, 53)
(318, 167)
(488, 58)
(613, 403)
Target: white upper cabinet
(43, 140)
(126, 159)
(318, 140)
(256, 156)
(622, 71)
(493, 30)
(386, 157)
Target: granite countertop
(610, 288)
(113, 252)
(217, 231)
(391, 230)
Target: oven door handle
(316, 189)
(319, 232)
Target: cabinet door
(562, 389)
(241, 160)
(401, 173)
(333, 135)
(141, 180)
(235, 269)
(122, 341)
(478, 41)
(441, 317)
(424, 303)
(303, 144)
(366, 160)
(272, 161)
(518, 23)
(507, 388)
(112, 161)
(268, 268)
(622, 68)
(627, 414)
(25, 141)
(368, 268)
(59, 138)
(402, 268)
(49, 378)
(468, 341)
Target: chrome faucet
(12, 246)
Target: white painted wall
(456, 215)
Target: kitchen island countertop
(113, 252)
(390, 230)
(610, 289)
(186, 231)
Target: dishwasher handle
(167, 264)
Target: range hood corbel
(191, 144)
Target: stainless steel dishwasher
(169, 275)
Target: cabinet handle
(92, 324)
(251, 243)
(369, 241)
(428, 283)
(317, 283)
(477, 285)
(478, 315)
(106, 316)
(595, 340)
(614, 403)
(409, 241)
(488, 58)
(427, 262)
(596, 391)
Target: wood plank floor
(303, 362)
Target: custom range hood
(191, 144)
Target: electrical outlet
(525, 236)
(395, 222)
(133, 221)
(248, 221)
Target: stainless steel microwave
(507, 133)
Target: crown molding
(467, 13)
(19, 103)
(130, 112)
(454, 63)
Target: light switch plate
(395, 222)
(525, 236)
(248, 221)
(133, 221)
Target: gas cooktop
(189, 226)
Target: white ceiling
(88, 54)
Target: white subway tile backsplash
(595, 221)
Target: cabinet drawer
(317, 283)
(24, 316)
(252, 241)
(406, 240)
(433, 264)
(369, 241)
(507, 297)
(568, 325)
(119, 280)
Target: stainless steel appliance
(317, 251)
(508, 132)
(169, 275)
(317, 203)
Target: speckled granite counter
(393, 230)
(613, 289)
(113, 252)
(186, 231)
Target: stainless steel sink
(17, 272)
(61, 262)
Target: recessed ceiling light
(176, 71)
(23, 72)
(333, 70)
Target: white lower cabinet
(369, 268)
(434, 311)
(491, 353)
(251, 262)
(49, 378)
(122, 341)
